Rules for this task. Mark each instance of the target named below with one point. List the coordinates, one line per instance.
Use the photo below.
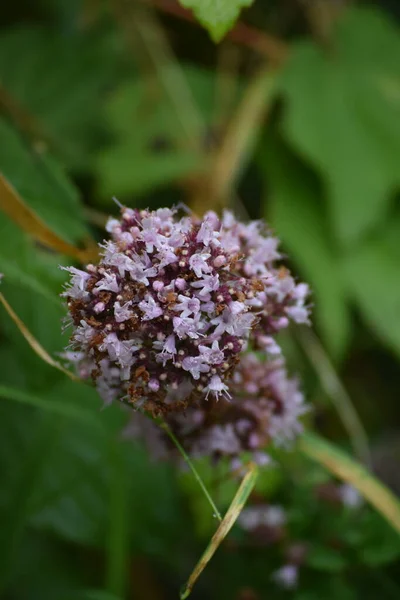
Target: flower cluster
(273, 525)
(265, 408)
(174, 302)
(267, 525)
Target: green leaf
(342, 114)
(55, 81)
(44, 571)
(95, 595)
(78, 481)
(323, 558)
(26, 265)
(329, 588)
(62, 409)
(217, 16)
(119, 518)
(42, 318)
(295, 210)
(41, 182)
(21, 494)
(372, 274)
(378, 544)
(150, 147)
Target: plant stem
(191, 466)
(338, 394)
(165, 427)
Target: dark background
(294, 117)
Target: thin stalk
(191, 466)
(338, 394)
(233, 154)
(165, 427)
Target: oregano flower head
(173, 302)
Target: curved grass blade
(12, 205)
(347, 469)
(33, 342)
(226, 525)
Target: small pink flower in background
(287, 577)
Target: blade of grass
(14, 207)
(336, 391)
(226, 525)
(347, 469)
(33, 342)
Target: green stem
(165, 427)
(338, 394)
(191, 466)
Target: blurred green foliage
(102, 99)
(218, 16)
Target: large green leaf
(42, 184)
(150, 146)
(96, 595)
(343, 109)
(323, 558)
(372, 274)
(54, 406)
(295, 210)
(55, 81)
(45, 571)
(72, 496)
(217, 16)
(27, 265)
(20, 485)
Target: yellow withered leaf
(342, 466)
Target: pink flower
(198, 262)
(187, 306)
(180, 299)
(150, 308)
